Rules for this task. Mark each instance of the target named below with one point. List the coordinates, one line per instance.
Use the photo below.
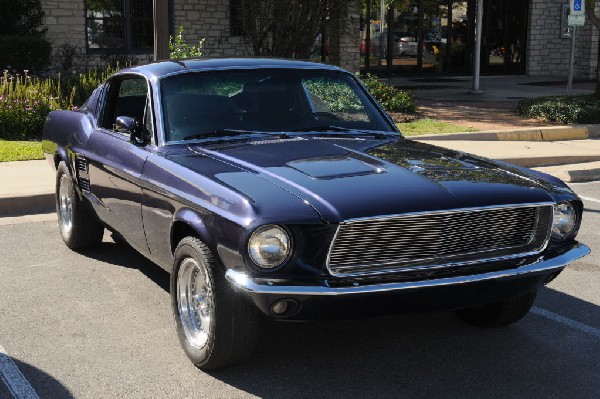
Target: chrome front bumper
(542, 265)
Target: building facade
(417, 37)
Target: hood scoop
(335, 167)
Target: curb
(551, 133)
(578, 176)
(574, 173)
(27, 204)
(535, 162)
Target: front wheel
(216, 326)
(499, 313)
(78, 226)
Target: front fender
(187, 217)
(219, 235)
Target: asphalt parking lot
(98, 325)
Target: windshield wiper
(323, 128)
(230, 132)
(340, 129)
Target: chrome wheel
(195, 302)
(65, 198)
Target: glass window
(126, 97)
(119, 25)
(332, 96)
(235, 17)
(142, 25)
(265, 100)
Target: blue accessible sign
(577, 7)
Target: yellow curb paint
(520, 135)
(565, 133)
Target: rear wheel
(499, 313)
(216, 326)
(78, 226)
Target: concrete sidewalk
(27, 187)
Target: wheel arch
(188, 222)
(61, 155)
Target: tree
(22, 41)
(590, 12)
(21, 18)
(287, 28)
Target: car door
(115, 161)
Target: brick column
(344, 39)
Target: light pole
(477, 57)
(161, 29)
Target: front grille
(438, 239)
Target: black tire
(81, 228)
(498, 314)
(233, 322)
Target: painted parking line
(566, 321)
(14, 379)
(589, 199)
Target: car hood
(348, 178)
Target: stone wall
(586, 56)
(65, 21)
(209, 19)
(548, 53)
(344, 40)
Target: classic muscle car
(282, 189)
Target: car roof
(164, 68)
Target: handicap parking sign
(577, 7)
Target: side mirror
(128, 125)
(125, 124)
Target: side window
(334, 97)
(129, 97)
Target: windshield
(265, 100)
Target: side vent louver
(84, 184)
(82, 173)
(81, 164)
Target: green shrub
(179, 49)
(25, 52)
(390, 98)
(24, 104)
(563, 109)
(76, 89)
(25, 101)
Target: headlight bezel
(557, 235)
(284, 259)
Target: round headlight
(269, 246)
(565, 219)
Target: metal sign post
(576, 18)
(572, 62)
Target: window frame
(109, 95)
(128, 39)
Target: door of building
(429, 37)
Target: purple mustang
(281, 189)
